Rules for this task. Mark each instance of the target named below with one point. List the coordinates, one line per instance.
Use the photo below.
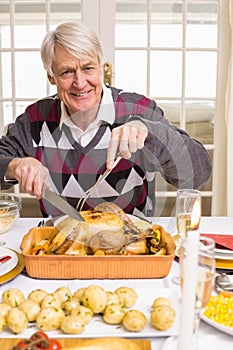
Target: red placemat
(221, 241)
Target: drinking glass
(204, 286)
(188, 216)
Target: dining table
(208, 335)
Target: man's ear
(51, 79)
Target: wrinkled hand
(126, 139)
(30, 174)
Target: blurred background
(176, 52)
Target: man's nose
(79, 78)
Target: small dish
(7, 266)
(15, 271)
(219, 326)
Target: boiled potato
(4, 309)
(161, 301)
(72, 324)
(49, 318)
(84, 312)
(64, 293)
(134, 320)
(37, 295)
(17, 320)
(31, 309)
(95, 298)
(69, 305)
(127, 296)
(162, 317)
(114, 313)
(52, 300)
(2, 323)
(13, 297)
(79, 294)
(112, 298)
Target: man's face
(79, 82)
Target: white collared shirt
(105, 113)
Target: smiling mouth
(81, 95)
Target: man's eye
(67, 73)
(88, 69)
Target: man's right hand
(30, 174)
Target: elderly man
(67, 140)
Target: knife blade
(60, 203)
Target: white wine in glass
(205, 278)
(188, 211)
(188, 217)
(204, 286)
(184, 223)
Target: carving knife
(60, 203)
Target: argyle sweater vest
(73, 168)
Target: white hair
(81, 41)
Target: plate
(219, 326)
(143, 344)
(224, 251)
(11, 263)
(97, 328)
(224, 264)
(15, 271)
(223, 256)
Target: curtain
(229, 120)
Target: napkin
(221, 241)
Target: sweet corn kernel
(220, 309)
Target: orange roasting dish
(104, 233)
(108, 244)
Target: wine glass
(188, 216)
(204, 283)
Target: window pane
(136, 35)
(5, 73)
(62, 11)
(166, 73)
(5, 41)
(202, 21)
(131, 77)
(200, 120)
(30, 75)
(172, 110)
(22, 39)
(131, 23)
(27, 18)
(201, 68)
(166, 28)
(7, 109)
(21, 106)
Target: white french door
(174, 51)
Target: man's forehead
(66, 57)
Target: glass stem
(196, 325)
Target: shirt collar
(106, 112)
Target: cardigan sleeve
(17, 143)
(182, 160)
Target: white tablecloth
(208, 336)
